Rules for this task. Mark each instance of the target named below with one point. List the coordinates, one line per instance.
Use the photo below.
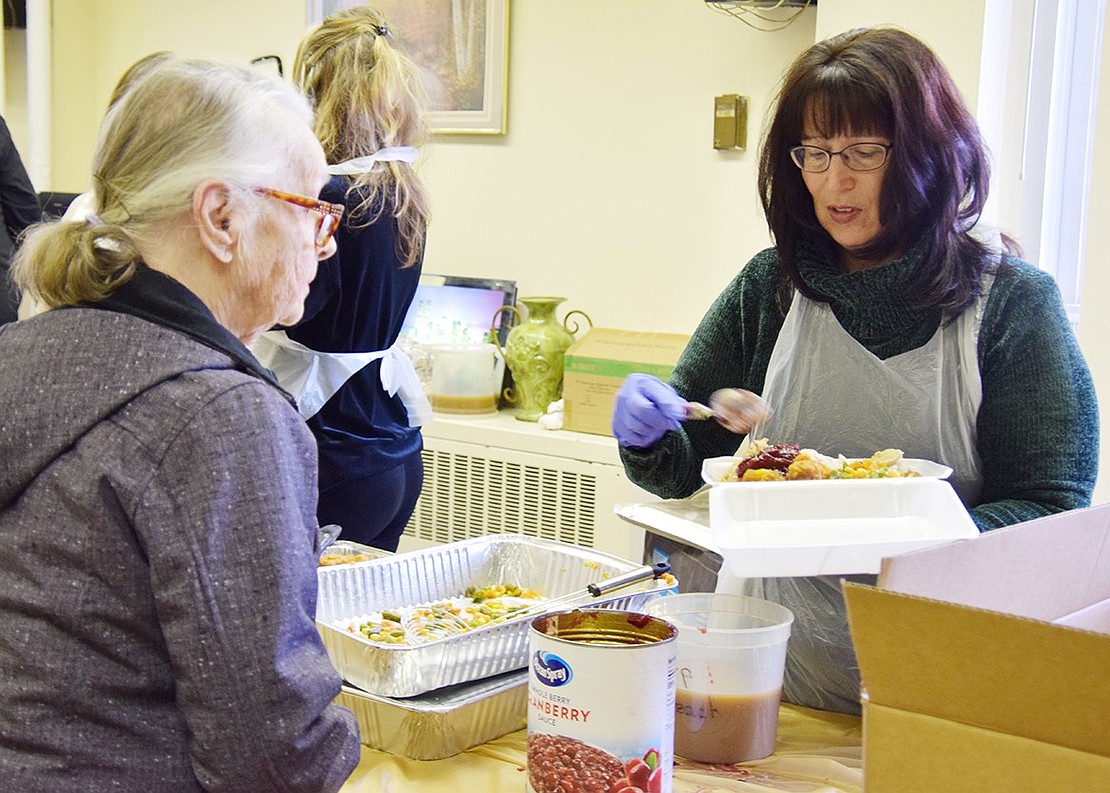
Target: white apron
(314, 377)
(831, 394)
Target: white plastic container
(831, 527)
(466, 378)
(731, 655)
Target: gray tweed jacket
(157, 569)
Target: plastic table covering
(816, 752)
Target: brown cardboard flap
(910, 753)
(1044, 569)
(982, 668)
(599, 361)
(646, 347)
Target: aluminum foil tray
(553, 568)
(347, 552)
(441, 723)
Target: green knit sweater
(1038, 422)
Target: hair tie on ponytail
(383, 31)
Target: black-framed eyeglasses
(330, 214)
(858, 157)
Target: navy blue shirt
(356, 304)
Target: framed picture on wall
(462, 48)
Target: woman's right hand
(646, 409)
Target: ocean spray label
(601, 702)
(550, 669)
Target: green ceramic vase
(534, 353)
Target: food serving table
(816, 752)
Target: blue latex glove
(646, 409)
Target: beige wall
(15, 94)
(958, 43)
(94, 41)
(606, 188)
(1094, 327)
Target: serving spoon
(734, 409)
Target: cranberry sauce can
(601, 696)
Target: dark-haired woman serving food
(885, 316)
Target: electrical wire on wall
(765, 15)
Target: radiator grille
(468, 495)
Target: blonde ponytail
(368, 96)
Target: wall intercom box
(730, 122)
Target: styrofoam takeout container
(714, 470)
(441, 723)
(553, 568)
(831, 527)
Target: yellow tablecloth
(816, 752)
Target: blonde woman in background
(157, 486)
(355, 387)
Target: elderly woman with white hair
(157, 487)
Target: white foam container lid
(831, 527)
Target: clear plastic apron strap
(407, 154)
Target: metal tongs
(584, 598)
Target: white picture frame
(461, 46)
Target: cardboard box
(595, 366)
(986, 662)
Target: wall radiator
(472, 490)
